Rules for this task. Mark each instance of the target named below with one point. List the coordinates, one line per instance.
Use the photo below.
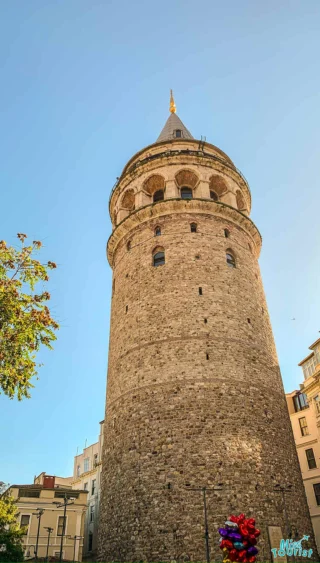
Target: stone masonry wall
(194, 396)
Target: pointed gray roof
(168, 132)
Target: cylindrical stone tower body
(194, 394)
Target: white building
(87, 476)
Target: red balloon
(252, 539)
(233, 518)
(233, 555)
(257, 532)
(243, 530)
(245, 543)
(252, 559)
(251, 521)
(226, 543)
(241, 518)
(242, 554)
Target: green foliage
(10, 532)
(25, 321)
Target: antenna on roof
(85, 444)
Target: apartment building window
(95, 460)
(93, 486)
(85, 486)
(309, 367)
(30, 493)
(24, 522)
(317, 403)
(92, 507)
(86, 464)
(316, 488)
(90, 542)
(311, 459)
(303, 426)
(300, 402)
(60, 526)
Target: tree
(25, 320)
(10, 532)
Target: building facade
(194, 392)
(31, 498)
(87, 476)
(304, 410)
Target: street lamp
(49, 530)
(75, 538)
(283, 489)
(65, 503)
(206, 490)
(38, 515)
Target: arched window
(193, 227)
(158, 195)
(231, 261)
(158, 258)
(157, 231)
(178, 133)
(186, 193)
(214, 196)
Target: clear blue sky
(85, 84)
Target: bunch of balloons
(238, 539)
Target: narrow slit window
(159, 258)
(205, 321)
(249, 321)
(127, 308)
(200, 290)
(231, 261)
(157, 231)
(193, 227)
(226, 233)
(207, 355)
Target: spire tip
(173, 108)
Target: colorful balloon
(223, 532)
(252, 550)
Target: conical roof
(172, 125)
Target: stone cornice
(175, 206)
(183, 158)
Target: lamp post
(75, 538)
(49, 530)
(283, 489)
(65, 503)
(38, 515)
(206, 490)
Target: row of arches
(159, 258)
(186, 182)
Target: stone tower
(194, 394)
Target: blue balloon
(238, 545)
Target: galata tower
(194, 394)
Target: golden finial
(173, 108)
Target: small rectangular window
(86, 465)
(300, 402)
(93, 486)
(60, 526)
(316, 488)
(24, 522)
(92, 508)
(200, 290)
(311, 459)
(303, 426)
(85, 486)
